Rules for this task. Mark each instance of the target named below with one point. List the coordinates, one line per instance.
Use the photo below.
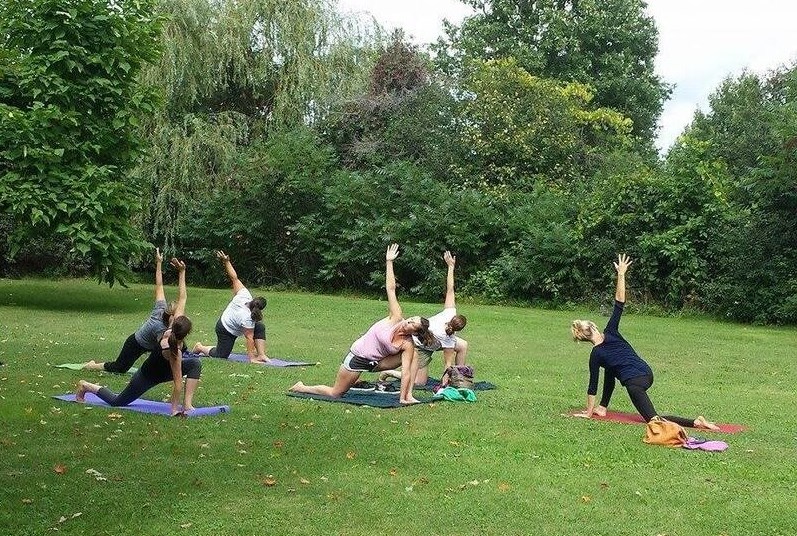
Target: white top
(237, 316)
(437, 325)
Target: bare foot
(80, 394)
(297, 386)
(410, 400)
(186, 409)
(260, 359)
(701, 422)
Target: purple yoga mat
(147, 406)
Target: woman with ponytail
(620, 361)
(146, 338)
(164, 363)
(386, 345)
(444, 326)
(243, 316)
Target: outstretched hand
(223, 257)
(177, 264)
(158, 256)
(450, 259)
(622, 264)
(392, 252)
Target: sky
(701, 42)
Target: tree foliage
(69, 108)
(231, 74)
(608, 45)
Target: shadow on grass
(73, 296)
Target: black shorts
(355, 363)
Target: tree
(232, 74)
(405, 113)
(69, 108)
(520, 129)
(609, 45)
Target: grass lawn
(508, 464)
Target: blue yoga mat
(146, 406)
(374, 399)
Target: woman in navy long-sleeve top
(620, 362)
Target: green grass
(509, 464)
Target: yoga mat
(146, 406)
(79, 366)
(635, 418)
(375, 399)
(243, 358)
(432, 385)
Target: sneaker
(362, 386)
(387, 387)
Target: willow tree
(231, 74)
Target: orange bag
(663, 432)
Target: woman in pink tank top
(386, 345)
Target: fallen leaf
(453, 443)
(186, 525)
(351, 455)
(59, 468)
(586, 498)
(27, 501)
(268, 481)
(604, 485)
(278, 444)
(304, 481)
(503, 486)
(393, 472)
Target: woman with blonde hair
(615, 355)
(386, 345)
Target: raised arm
(182, 295)
(451, 261)
(159, 294)
(393, 307)
(622, 264)
(236, 283)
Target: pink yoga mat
(635, 418)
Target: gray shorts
(355, 363)
(424, 356)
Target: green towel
(456, 395)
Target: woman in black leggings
(619, 361)
(165, 363)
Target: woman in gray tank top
(147, 337)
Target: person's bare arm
(451, 261)
(182, 294)
(177, 380)
(394, 309)
(231, 274)
(160, 295)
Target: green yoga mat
(79, 366)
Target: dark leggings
(226, 340)
(141, 383)
(637, 389)
(128, 355)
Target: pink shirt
(377, 342)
